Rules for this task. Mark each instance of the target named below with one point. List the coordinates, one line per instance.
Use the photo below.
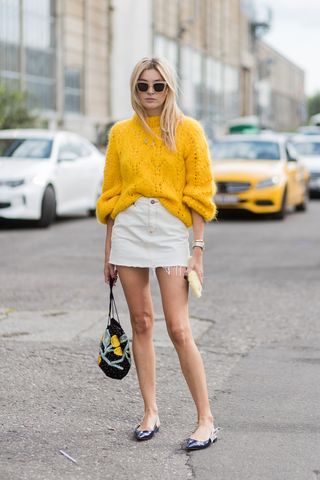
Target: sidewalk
(270, 416)
(54, 397)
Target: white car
(44, 173)
(308, 148)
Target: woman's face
(152, 91)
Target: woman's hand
(110, 272)
(196, 263)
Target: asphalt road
(257, 326)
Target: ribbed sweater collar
(153, 121)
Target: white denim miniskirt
(147, 235)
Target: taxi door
(295, 174)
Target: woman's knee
(142, 323)
(180, 335)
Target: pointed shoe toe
(141, 435)
(192, 444)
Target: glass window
(9, 21)
(165, 47)
(41, 93)
(40, 63)
(9, 38)
(231, 92)
(308, 149)
(38, 32)
(36, 7)
(69, 149)
(26, 148)
(246, 150)
(9, 58)
(72, 83)
(85, 150)
(37, 51)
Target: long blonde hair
(171, 114)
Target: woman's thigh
(136, 287)
(174, 295)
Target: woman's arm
(112, 184)
(199, 187)
(110, 270)
(196, 262)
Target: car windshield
(246, 150)
(309, 149)
(26, 148)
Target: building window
(72, 89)
(10, 43)
(27, 51)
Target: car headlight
(268, 182)
(12, 183)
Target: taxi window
(246, 150)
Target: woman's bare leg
(174, 294)
(136, 287)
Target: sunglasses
(157, 86)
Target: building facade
(74, 59)
(280, 89)
(58, 52)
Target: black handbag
(114, 357)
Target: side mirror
(67, 156)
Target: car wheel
(48, 208)
(92, 211)
(280, 215)
(303, 206)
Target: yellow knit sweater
(138, 164)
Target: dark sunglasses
(157, 86)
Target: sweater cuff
(206, 210)
(105, 208)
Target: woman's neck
(154, 112)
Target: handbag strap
(113, 312)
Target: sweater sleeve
(111, 188)
(199, 189)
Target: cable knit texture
(138, 164)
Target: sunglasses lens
(158, 87)
(142, 87)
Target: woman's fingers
(114, 274)
(196, 265)
(110, 272)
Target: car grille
(232, 187)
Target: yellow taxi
(259, 173)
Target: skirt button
(152, 201)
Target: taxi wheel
(280, 215)
(48, 208)
(303, 206)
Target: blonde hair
(171, 114)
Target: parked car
(309, 130)
(308, 149)
(259, 173)
(44, 173)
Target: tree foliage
(14, 111)
(314, 104)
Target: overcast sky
(295, 33)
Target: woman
(157, 184)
